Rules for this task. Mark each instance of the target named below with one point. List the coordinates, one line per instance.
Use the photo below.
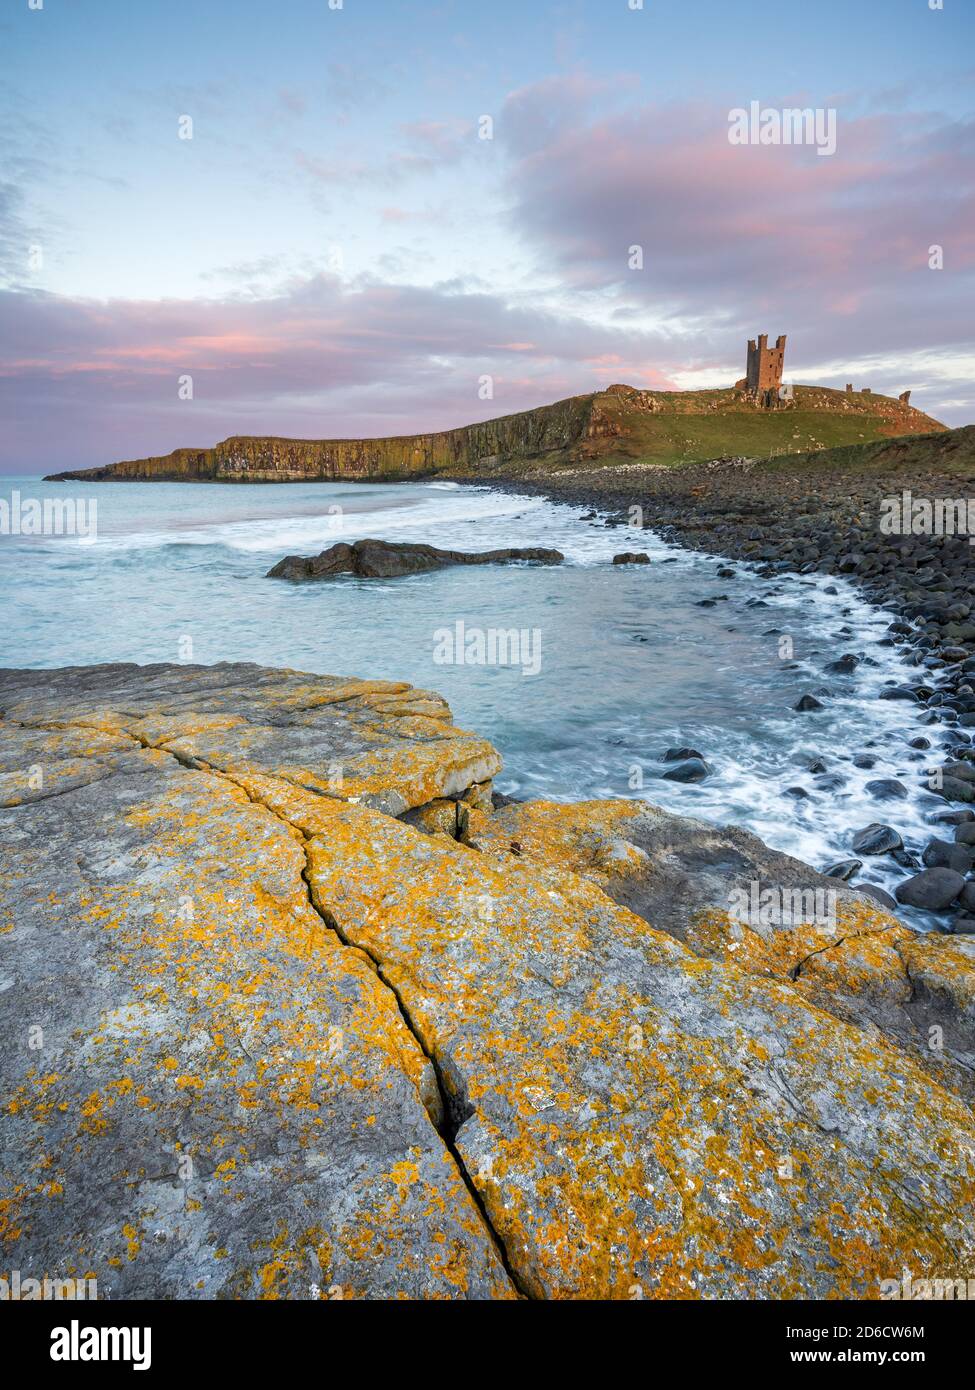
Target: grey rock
(932, 889)
(876, 839)
(370, 559)
(693, 770)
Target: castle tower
(764, 372)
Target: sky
(335, 218)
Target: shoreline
(393, 1018)
(719, 509)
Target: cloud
(735, 241)
(86, 382)
(832, 250)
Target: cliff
(615, 425)
(293, 1009)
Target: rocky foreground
(295, 1007)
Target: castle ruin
(764, 372)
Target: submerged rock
(887, 788)
(876, 839)
(845, 869)
(391, 559)
(565, 1055)
(693, 770)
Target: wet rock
(844, 665)
(372, 559)
(831, 782)
(943, 854)
(954, 789)
(678, 755)
(693, 770)
(632, 557)
(887, 789)
(806, 703)
(932, 890)
(876, 839)
(844, 870)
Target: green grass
(694, 426)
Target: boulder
(933, 890)
(693, 770)
(391, 559)
(876, 839)
(887, 789)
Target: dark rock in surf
(694, 770)
(390, 559)
(876, 839)
(931, 890)
(887, 788)
(844, 870)
(943, 854)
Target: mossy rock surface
(280, 1024)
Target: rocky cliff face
(660, 426)
(293, 1010)
(247, 459)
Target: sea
(582, 675)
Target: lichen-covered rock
(263, 1037)
(831, 942)
(381, 742)
(204, 1092)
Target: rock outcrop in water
(293, 1009)
(619, 423)
(392, 559)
